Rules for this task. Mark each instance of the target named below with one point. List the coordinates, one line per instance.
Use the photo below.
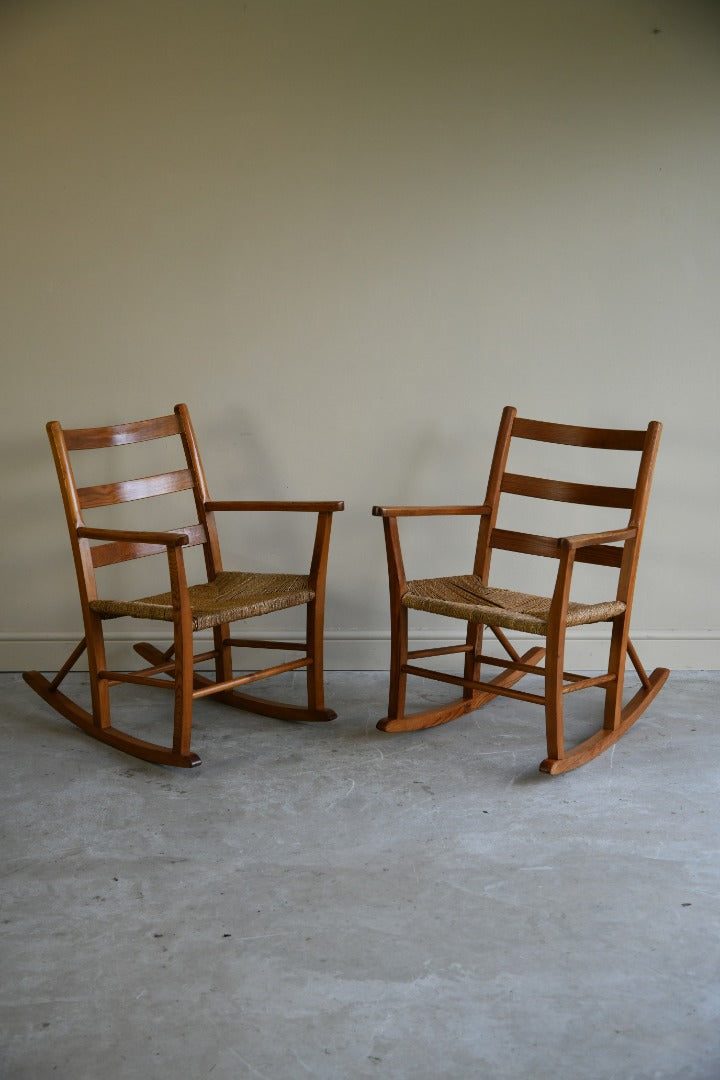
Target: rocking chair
(226, 596)
(470, 597)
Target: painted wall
(347, 233)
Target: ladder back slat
(122, 434)
(130, 490)
(537, 487)
(572, 435)
(121, 551)
(532, 544)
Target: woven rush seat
(465, 597)
(232, 595)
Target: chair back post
(85, 573)
(638, 511)
(82, 555)
(211, 549)
(483, 551)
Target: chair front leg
(398, 659)
(315, 651)
(554, 664)
(398, 620)
(555, 657)
(315, 623)
(184, 662)
(99, 688)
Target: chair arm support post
(179, 588)
(183, 643)
(321, 546)
(561, 592)
(557, 615)
(396, 569)
(555, 656)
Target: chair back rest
(89, 554)
(634, 499)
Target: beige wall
(347, 233)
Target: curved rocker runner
(225, 597)
(470, 597)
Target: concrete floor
(330, 902)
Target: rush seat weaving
(465, 597)
(231, 596)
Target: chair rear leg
(616, 667)
(474, 639)
(315, 671)
(398, 658)
(223, 658)
(99, 688)
(315, 709)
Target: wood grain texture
(549, 547)
(270, 505)
(574, 435)
(443, 714)
(428, 511)
(124, 549)
(537, 487)
(144, 487)
(121, 434)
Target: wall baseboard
(368, 650)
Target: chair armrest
(134, 536)
(581, 540)
(254, 504)
(568, 546)
(428, 511)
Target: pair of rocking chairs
(229, 596)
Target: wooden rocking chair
(226, 596)
(470, 597)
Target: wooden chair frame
(617, 548)
(173, 669)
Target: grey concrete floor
(327, 901)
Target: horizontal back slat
(571, 435)
(120, 551)
(532, 544)
(564, 491)
(121, 434)
(130, 490)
